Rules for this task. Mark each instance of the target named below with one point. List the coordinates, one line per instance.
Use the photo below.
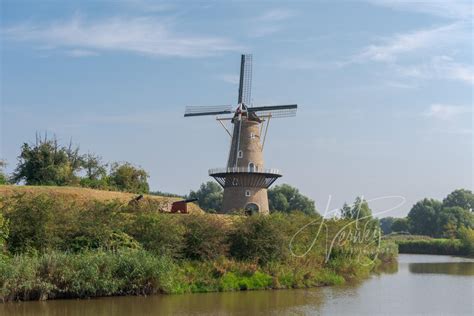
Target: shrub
(4, 231)
(205, 237)
(86, 274)
(433, 246)
(161, 234)
(257, 238)
(30, 222)
(466, 236)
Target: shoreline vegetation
(418, 244)
(55, 248)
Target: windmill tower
(245, 179)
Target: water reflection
(387, 268)
(458, 268)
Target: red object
(179, 206)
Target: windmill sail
(275, 111)
(207, 110)
(245, 85)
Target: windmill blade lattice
(275, 111)
(245, 85)
(207, 110)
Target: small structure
(181, 206)
(245, 180)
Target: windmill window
(251, 167)
(252, 135)
(240, 154)
(235, 181)
(247, 193)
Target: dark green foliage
(209, 196)
(433, 246)
(205, 237)
(30, 223)
(257, 238)
(400, 225)
(126, 177)
(63, 250)
(386, 225)
(161, 234)
(4, 232)
(462, 198)
(466, 235)
(87, 274)
(423, 217)
(93, 167)
(438, 246)
(433, 218)
(451, 219)
(285, 198)
(41, 223)
(3, 176)
(358, 210)
(47, 163)
(95, 172)
(99, 225)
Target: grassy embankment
(414, 244)
(58, 245)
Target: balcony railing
(243, 170)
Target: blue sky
(384, 88)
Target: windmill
(245, 180)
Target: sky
(384, 89)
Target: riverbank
(413, 244)
(137, 272)
(58, 249)
(417, 278)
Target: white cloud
(446, 111)
(141, 35)
(400, 44)
(454, 9)
(425, 54)
(439, 67)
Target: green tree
(400, 225)
(126, 177)
(47, 163)
(285, 198)
(451, 219)
(93, 167)
(3, 176)
(358, 210)
(209, 196)
(462, 198)
(386, 224)
(423, 217)
(95, 172)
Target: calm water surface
(420, 284)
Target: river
(418, 284)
